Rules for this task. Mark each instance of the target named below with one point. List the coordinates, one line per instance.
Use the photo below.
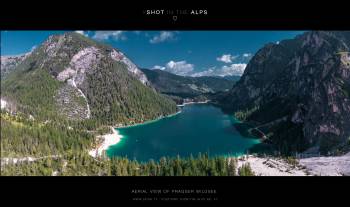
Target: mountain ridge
(79, 78)
(10, 62)
(182, 87)
(303, 81)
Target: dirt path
(18, 160)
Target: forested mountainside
(72, 77)
(185, 86)
(298, 91)
(30, 147)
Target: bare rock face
(85, 60)
(67, 56)
(132, 68)
(306, 79)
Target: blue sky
(182, 52)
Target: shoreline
(192, 102)
(115, 137)
(108, 140)
(147, 122)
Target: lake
(199, 128)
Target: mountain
(298, 91)
(8, 63)
(184, 86)
(232, 77)
(71, 76)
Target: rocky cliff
(304, 84)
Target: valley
(187, 89)
(76, 106)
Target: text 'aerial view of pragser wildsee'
(175, 103)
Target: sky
(188, 53)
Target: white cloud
(226, 70)
(278, 42)
(105, 35)
(233, 69)
(247, 55)
(226, 58)
(81, 32)
(235, 66)
(158, 67)
(179, 68)
(187, 69)
(162, 37)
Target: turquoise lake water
(199, 128)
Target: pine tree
(245, 170)
(232, 167)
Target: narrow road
(14, 160)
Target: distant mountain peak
(63, 48)
(10, 62)
(181, 87)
